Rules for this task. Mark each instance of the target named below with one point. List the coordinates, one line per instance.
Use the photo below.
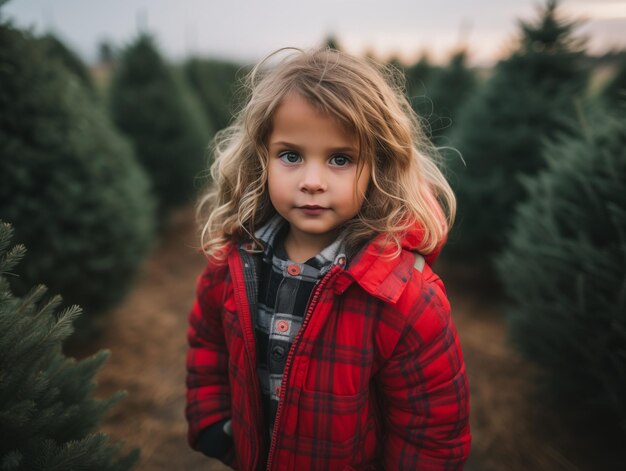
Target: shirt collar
(334, 254)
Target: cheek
(275, 189)
(362, 186)
(355, 192)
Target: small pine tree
(69, 183)
(48, 419)
(331, 42)
(565, 273)
(530, 98)
(149, 104)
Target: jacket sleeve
(425, 395)
(208, 390)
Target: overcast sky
(246, 30)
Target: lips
(312, 210)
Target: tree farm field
(146, 337)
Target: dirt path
(146, 336)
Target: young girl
(320, 338)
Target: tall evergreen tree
(68, 182)
(419, 77)
(449, 89)
(615, 91)
(150, 104)
(215, 84)
(565, 273)
(48, 417)
(529, 98)
(56, 49)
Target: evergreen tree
(331, 42)
(419, 78)
(530, 98)
(449, 89)
(214, 82)
(107, 54)
(48, 419)
(565, 272)
(170, 134)
(615, 91)
(68, 182)
(60, 52)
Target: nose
(313, 180)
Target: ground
(146, 337)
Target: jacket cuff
(214, 442)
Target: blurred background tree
(449, 88)
(530, 97)
(68, 182)
(215, 84)
(438, 92)
(70, 61)
(153, 107)
(614, 92)
(564, 271)
(48, 419)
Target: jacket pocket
(331, 418)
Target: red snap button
(277, 391)
(282, 326)
(342, 261)
(293, 270)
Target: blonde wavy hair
(406, 185)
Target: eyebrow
(297, 147)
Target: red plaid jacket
(375, 378)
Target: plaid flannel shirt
(375, 378)
(284, 290)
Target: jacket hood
(413, 239)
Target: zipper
(249, 340)
(283, 385)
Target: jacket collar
(382, 276)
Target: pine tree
(59, 51)
(169, 132)
(615, 91)
(332, 42)
(565, 272)
(419, 77)
(214, 82)
(48, 419)
(449, 89)
(69, 183)
(530, 97)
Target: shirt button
(278, 352)
(293, 269)
(282, 326)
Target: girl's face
(312, 172)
